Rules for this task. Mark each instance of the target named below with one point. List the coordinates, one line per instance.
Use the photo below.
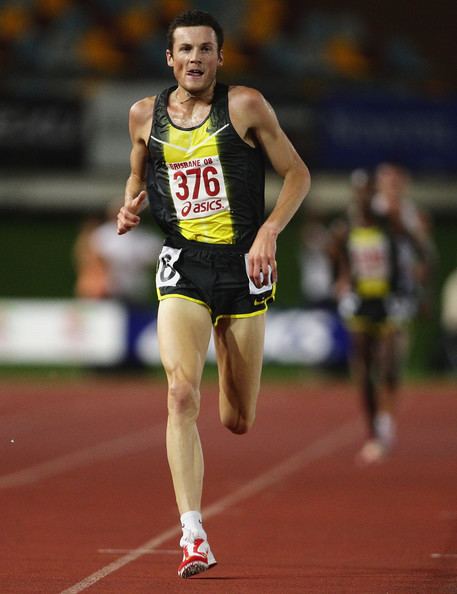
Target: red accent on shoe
(194, 561)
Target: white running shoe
(197, 555)
(372, 452)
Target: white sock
(385, 428)
(191, 522)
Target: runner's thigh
(239, 346)
(184, 331)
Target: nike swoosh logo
(191, 149)
(259, 301)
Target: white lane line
(443, 555)
(318, 449)
(124, 560)
(132, 442)
(174, 552)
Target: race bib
(198, 188)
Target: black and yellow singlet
(205, 183)
(372, 263)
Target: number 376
(197, 175)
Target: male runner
(198, 156)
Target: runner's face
(195, 58)
(392, 182)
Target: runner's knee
(183, 401)
(237, 422)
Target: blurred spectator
(119, 38)
(110, 268)
(122, 270)
(91, 270)
(315, 263)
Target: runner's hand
(127, 217)
(262, 258)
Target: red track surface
(87, 504)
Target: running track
(87, 505)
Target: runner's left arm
(296, 183)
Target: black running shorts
(370, 315)
(212, 275)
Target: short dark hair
(195, 18)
